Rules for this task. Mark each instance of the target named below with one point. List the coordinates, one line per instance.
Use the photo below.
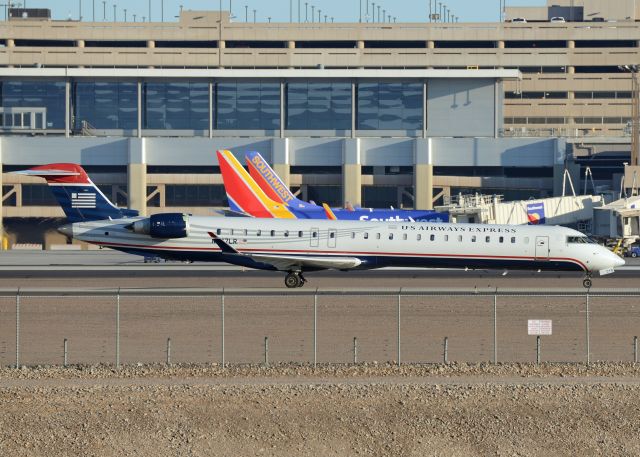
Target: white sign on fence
(540, 327)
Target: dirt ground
(459, 410)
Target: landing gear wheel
(587, 283)
(293, 280)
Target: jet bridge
(570, 211)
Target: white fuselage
(377, 244)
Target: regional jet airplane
(299, 246)
(263, 194)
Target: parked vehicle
(633, 251)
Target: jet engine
(167, 225)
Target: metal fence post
(266, 351)
(355, 350)
(315, 328)
(635, 349)
(588, 334)
(222, 329)
(118, 328)
(495, 327)
(168, 351)
(538, 344)
(65, 352)
(399, 328)
(445, 354)
(18, 329)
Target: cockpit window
(580, 240)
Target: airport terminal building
(375, 114)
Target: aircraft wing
(284, 262)
(287, 262)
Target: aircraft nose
(618, 261)
(66, 230)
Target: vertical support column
(139, 109)
(211, 109)
(290, 45)
(137, 175)
(222, 45)
(280, 158)
(352, 172)
(67, 108)
(423, 174)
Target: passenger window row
(378, 236)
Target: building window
(195, 195)
(37, 195)
(331, 195)
(379, 196)
(105, 105)
(176, 106)
(41, 94)
(389, 106)
(247, 106)
(318, 106)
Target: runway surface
(113, 269)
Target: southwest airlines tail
(78, 196)
(244, 194)
(271, 183)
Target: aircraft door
(331, 240)
(314, 237)
(542, 248)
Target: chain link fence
(129, 326)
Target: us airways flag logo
(535, 213)
(83, 200)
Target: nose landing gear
(294, 279)
(587, 282)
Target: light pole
(313, 13)
(125, 14)
(360, 20)
(93, 10)
(254, 16)
(80, 10)
(299, 12)
(306, 11)
(114, 12)
(373, 7)
(104, 10)
(246, 13)
(378, 13)
(319, 15)
(384, 15)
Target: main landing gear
(587, 282)
(294, 279)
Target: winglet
(224, 247)
(329, 212)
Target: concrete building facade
(369, 113)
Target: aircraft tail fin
(243, 192)
(79, 197)
(270, 182)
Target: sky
(278, 10)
